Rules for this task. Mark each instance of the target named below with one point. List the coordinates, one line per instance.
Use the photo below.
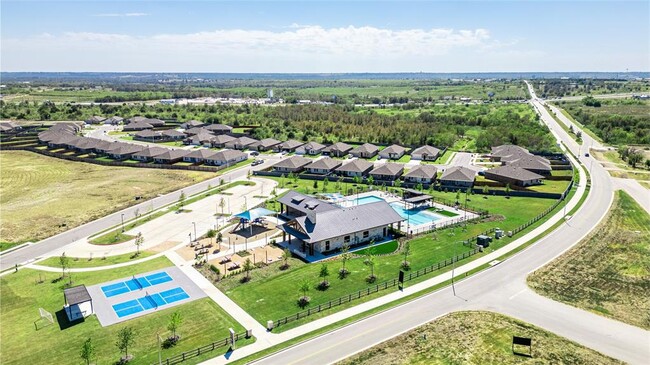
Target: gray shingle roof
(423, 171)
(148, 133)
(344, 221)
(531, 162)
(201, 153)
(388, 168)
(312, 146)
(222, 128)
(222, 138)
(458, 173)
(338, 146)
(325, 163)
(244, 141)
(151, 152)
(356, 166)
(516, 173)
(395, 148)
(365, 148)
(172, 133)
(291, 144)
(267, 143)
(227, 155)
(428, 150)
(305, 203)
(134, 126)
(76, 295)
(293, 162)
(172, 155)
(197, 130)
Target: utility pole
(453, 268)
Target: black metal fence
(177, 359)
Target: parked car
(587, 154)
(257, 162)
(255, 153)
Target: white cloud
(300, 48)
(121, 15)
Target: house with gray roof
(424, 174)
(154, 122)
(425, 153)
(323, 166)
(135, 119)
(114, 120)
(172, 135)
(96, 119)
(86, 145)
(366, 150)
(265, 144)
(294, 204)
(387, 172)
(458, 177)
(148, 135)
(148, 154)
(326, 231)
(241, 143)
(513, 176)
(338, 149)
(61, 140)
(532, 163)
(288, 146)
(226, 157)
(103, 146)
(354, 168)
(292, 164)
(171, 156)
(219, 141)
(392, 152)
(196, 130)
(192, 124)
(219, 128)
(124, 151)
(10, 127)
(311, 148)
(201, 139)
(199, 156)
(137, 126)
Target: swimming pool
(414, 216)
(149, 302)
(134, 283)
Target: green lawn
(274, 296)
(203, 321)
(476, 338)
(97, 261)
(404, 159)
(379, 249)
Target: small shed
(78, 303)
(483, 240)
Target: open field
(42, 196)
(476, 338)
(553, 88)
(609, 271)
(203, 321)
(274, 295)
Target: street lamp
(195, 237)
(122, 222)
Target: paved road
(502, 289)
(636, 190)
(28, 253)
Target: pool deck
(103, 306)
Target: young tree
(125, 339)
(324, 273)
(222, 204)
(507, 189)
(315, 184)
(419, 187)
(338, 183)
(325, 183)
(345, 256)
(397, 183)
(174, 322)
(407, 251)
(139, 240)
(248, 266)
(485, 189)
(370, 180)
(286, 255)
(370, 262)
(635, 157)
(211, 234)
(282, 180)
(181, 200)
(457, 196)
(219, 238)
(64, 261)
(87, 351)
(304, 289)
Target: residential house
(288, 146)
(149, 153)
(192, 124)
(196, 130)
(293, 164)
(311, 148)
(135, 119)
(294, 204)
(241, 143)
(226, 157)
(148, 135)
(326, 231)
(354, 168)
(172, 135)
(392, 152)
(323, 166)
(96, 119)
(219, 141)
(458, 177)
(338, 149)
(171, 156)
(10, 127)
(387, 172)
(366, 150)
(532, 163)
(137, 126)
(265, 144)
(219, 128)
(425, 153)
(513, 176)
(424, 174)
(199, 156)
(103, 146)
(123, 151)
(201, 139)
(114, 120)
(61, 140)
(154, 122)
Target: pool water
(149, 302)
(415, 217)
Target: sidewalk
(274, 339)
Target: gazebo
(78, 303)
(251, 217)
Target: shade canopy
(253, 214)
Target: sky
(324, 37)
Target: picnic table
(233, 266)
(225, 259)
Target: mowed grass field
(41, 196)
(476, 338)
(609, 271)
(203, 321)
